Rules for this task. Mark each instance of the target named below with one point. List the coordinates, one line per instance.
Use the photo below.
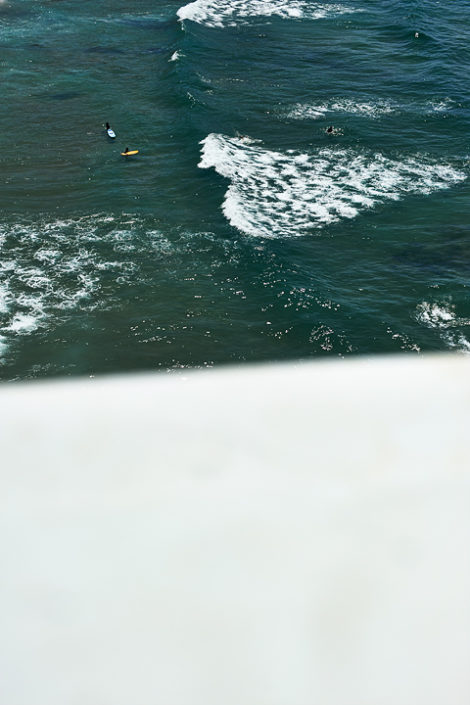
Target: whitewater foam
(442, 317)
(22, 323)
(4, 296)
(440, 106)
(220, 13)
(436, 315)
(283, 194)
(54, 268)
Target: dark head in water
(329, 129)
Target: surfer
(329, 129)
(110, 131)
(129, 152)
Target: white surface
(286, 535)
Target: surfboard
(111, 133)
(128, 154)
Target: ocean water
(242, 231)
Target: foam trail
(284, 194)
(364, 108)
(220, 13)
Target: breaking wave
(220, 13)
(284, 194)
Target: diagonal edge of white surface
(279, 535)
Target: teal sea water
(242, 231)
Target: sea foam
(220, 13)
(283, 194)
(302, 111)
(441, 316)
(52, 269)
(373, 109)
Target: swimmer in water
(329, 129)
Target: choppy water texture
(241, 230)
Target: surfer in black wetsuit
(329, 129)
(107, 126)
(126, 150)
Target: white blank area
(268, 535)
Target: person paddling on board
(110, 131)
(129, 152)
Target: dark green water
(241, 230)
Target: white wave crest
(274, 194)
(220, 13)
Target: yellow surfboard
(129, 154)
